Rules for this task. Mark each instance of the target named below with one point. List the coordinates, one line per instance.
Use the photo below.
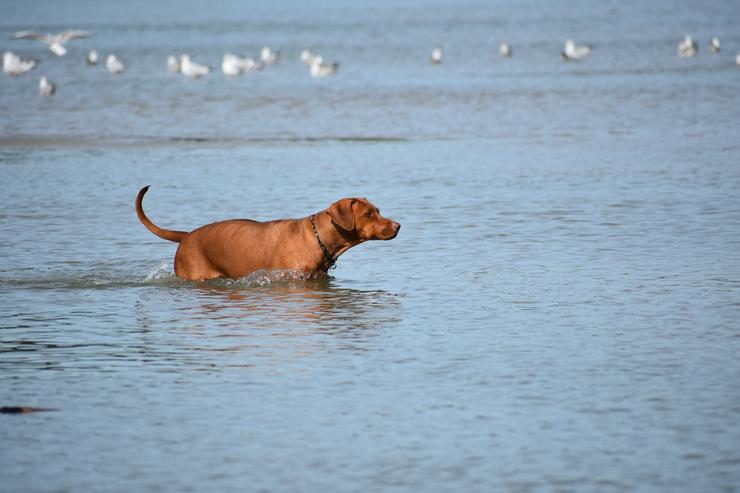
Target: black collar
(327, 257)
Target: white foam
(160, 272)
(265, 278)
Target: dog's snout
(396, 226)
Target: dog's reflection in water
(297, 307)
(248, 323)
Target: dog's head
(362, 218)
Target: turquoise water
(558, 312)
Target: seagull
(320, 68)
(114, 65)
(46, 88)
(252, 65)
(192, 69)
(737, 59)
(173, 64)
(714, 45)
(92, 57)
(55, 41)
(307, 57)
(505, 50)
(15, 65)
(575, 52)
(688, 47)
(436, 57)
(269, 56)
(231, 65)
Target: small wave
(101, 276)
(161, 275)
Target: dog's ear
(342, 214)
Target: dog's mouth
(392, 233)
(384, 233)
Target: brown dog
(238, 247)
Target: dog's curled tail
(166, 234)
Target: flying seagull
(55, 41)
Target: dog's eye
(368, 213)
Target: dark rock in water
(22, 409)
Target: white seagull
(114, 65)
(572, 51)
(737, 59)
(307, 57)
(191, 69)
(436, 57)
(505, 50)
(232, 65)
(688, 47)
(46, 88)
(251, 65)
(14, 65)
(92, 57)
(269, 56)
(320, 68)
(173, 64)
(714, 45)
(55, 41)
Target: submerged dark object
(23, 409)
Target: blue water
(558, 313)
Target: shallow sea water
(558, 313)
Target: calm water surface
(559, 312)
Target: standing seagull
(55, 41)
(15, 65)
(688, 47)
(114, 65)
(714, 45)
(173, 64)
(232, 65)
(307, 57)
(92, 58)
(252, 65)
(269, 56)
(572, 51)
(436, 57)
(192, 69)
(321, 69)
(46, 88)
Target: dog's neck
(335, 239)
